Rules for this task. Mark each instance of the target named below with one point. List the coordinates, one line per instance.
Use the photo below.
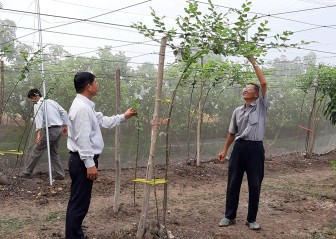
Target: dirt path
(298, 200)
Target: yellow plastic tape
(165, 100)
(151, 182)
(3, 152)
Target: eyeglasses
(249, 89)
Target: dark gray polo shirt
(249, 123)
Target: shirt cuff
(89, 162)
(122, 118)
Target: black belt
(54, 126)
(248, 141)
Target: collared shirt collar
(86, 100)
(252, 104)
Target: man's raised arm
(259, 73)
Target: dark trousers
(80, 197)
(249, 157)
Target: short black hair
(82, 79)
(33, 92)
(256, 87)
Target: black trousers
(249, 157)
(80, 197)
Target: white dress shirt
(84, 135)
(57, 116)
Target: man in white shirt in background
(85, 143)
(57, 125)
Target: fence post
(2, 83)
(117, 147)
(150, 165)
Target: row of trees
(290, 81)
(286, 90)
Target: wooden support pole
(117, 147)
(150, 165)
(310, 139)
(2, 83)
(199, 121)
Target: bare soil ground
(298, 200)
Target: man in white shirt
(85, 143)
(57, 125)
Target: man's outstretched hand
(130, 113)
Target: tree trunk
(150, 165)
(117, 147)
(189, 122)
(311, 132)
(168, 144)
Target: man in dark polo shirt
(247, 129)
